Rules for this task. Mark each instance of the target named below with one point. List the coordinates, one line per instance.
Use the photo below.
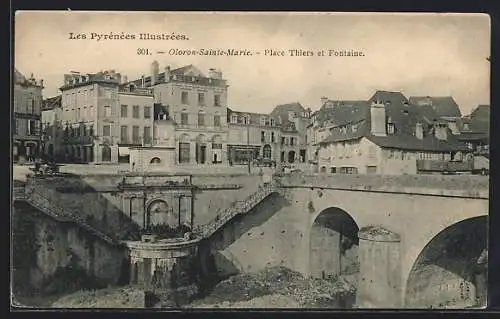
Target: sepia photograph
(229, 160)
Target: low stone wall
(453, 182)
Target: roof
(481, 112)
(18, 77)
(52, 102)
(182, 74)
(254, 117)
(99, 77)
(340, 112)
(283, 110)
(443, 106)
(398, 111)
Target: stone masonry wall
(51, 257)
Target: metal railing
(46, 206)
(237, 208)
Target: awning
(123, 151)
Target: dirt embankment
(276, 287)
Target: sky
(417, 54)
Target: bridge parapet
(470, 186)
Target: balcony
(444, 166)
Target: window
(124, 134)
(323, 169)
(348, 170)
(16, 127)
(91, 130)
(371, 169)
(201, 98)
(216, 120)
(33, 111)
(124, 109)
(333, 170)
(273, 122)
(390, 128)
(147, 135)
(302, 154)
(282, 141)
(292, 141)
(201, 119)
(184, 150)
(135, 111)
(107, 111)
(217, 100)
(184, 98)
(78, 114)
(262, 136)
(147, 112)
(272, 137)
(266, 151)
(106, 130)
(234, 119)
(262, 121)
(184, 118)
(135, 135)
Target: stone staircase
(237, 208)
(44, 205)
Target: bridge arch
(333, 244)
(448, 271)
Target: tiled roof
(282, 111)
(52, 102)
(342, 112)
(398, 111)
(411, 143)
(481, 112)
(443, 106)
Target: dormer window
(234, 119)
(262, 121)
(466, 126)
(390, 128)
(354, 128)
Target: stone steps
(238, 208)
(44, 205)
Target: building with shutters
(388, 135)
(26, 119)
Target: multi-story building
(197, 107)
(135, 119)
(390, 136)
(177, 116)
(26, 118)
(253, 136)
(52, 133)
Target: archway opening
(155, 160)
(334, 246)
(449, 272)
(291, 157)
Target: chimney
(143, 81)
(323, 100)
(125, 79)
(441, 131)
(419, 131)
(41, 83)
(155, 70)
(167, 73)
(377, 117)
(214, 74)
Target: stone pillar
(379, 283)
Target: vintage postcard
(250, 160)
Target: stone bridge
(408, 241)
(404, 241)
